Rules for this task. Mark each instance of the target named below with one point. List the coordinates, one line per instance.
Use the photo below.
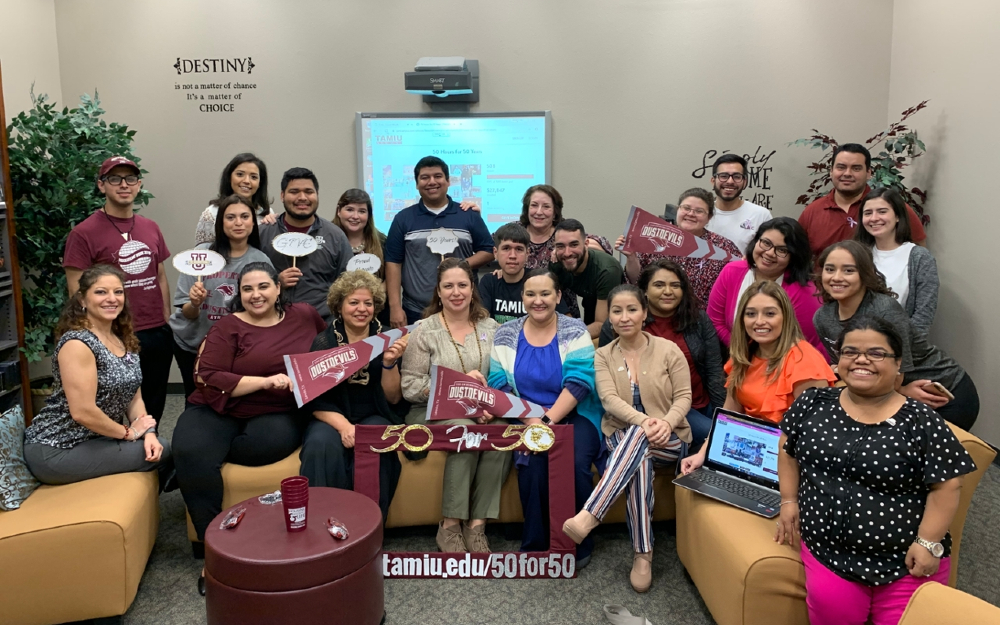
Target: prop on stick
(364, 262)
(442, 241)
(294, 244)
(454, 395)
(199, 263)
(646, 233)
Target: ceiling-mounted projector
(454, 78)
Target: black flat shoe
(201, 585)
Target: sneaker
(450, 539)
(475, 538)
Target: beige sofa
(934, 604)
(77, 551)
(745, 578)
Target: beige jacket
(664, 385)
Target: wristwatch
(936, 549)
(546, 420)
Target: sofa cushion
(16, 481)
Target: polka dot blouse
(863, 488)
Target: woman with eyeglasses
(778, 252)
(909, 269)
(870, 481)
(852, 287)
(694, 209)
(246, 176)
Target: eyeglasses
(779, 250)
(724, 177)
(872, 355)
(131, 180)
(701, 212)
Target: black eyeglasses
(131, 180)
(873, 355)
(724, 177)
(779, 250)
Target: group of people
(636, 354)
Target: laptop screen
(745, 447)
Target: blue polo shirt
(407, 246)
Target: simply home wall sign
(210, 84)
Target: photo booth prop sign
(454, 395)
(558, 562)
(364, 262)
(199, 263)
(646, 233)
(294, 244)
(315, 373)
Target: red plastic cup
(295, 501)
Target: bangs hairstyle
(476, 311)
(871, 278)
(372, 243)
(351, 281)
(513, 232)
(280, 304)
(259, 201)
(742, 347)
(74, 316)
(875, 324)
(705, 196)
(687, 312)
(222, 244)
(549, 190)
(898, 204)
(797, 242)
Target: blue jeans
(701, 424)
(533, 484)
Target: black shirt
(503, 299)
(863, 488)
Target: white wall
(947, 52)
(28, 53)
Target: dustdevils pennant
(648, 234)
(455, 395)
(315, 373)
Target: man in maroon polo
(835, 217)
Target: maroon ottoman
(260, 573)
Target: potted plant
(899, 146)
(54, 157)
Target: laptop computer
(741, 468)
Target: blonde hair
(351, 281)
(742, 347)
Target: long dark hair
(74, 314)
(871, 278)
(797, 242)
(898, 204)
(221, 243)
(280, 304)
(260, 201)
(476, 310)
(687, 311)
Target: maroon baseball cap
(116, 161)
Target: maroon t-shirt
(663, 327)
(235, 348)
(96, 240)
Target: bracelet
(125, 436)
(393, 366)
(795, 501)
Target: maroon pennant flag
(646, 233)
(455, 395)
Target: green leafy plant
(54, 159)
(899, 147)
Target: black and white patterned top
(118, 379)
(863, 488)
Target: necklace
(124, 234)
(357, 249)
(455, 343)
(106, 340)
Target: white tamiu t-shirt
(895, 266)
(740, 225)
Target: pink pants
(832, 600)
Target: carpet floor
(168, 594)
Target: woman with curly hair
(368, 397)
(95, 421)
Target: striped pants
(630, 469)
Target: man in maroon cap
(115, 235)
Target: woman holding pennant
(548, 359)
(367, 397)
(200, 301)
(457, 333)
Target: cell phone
(936, 388)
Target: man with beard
(735, 218)
(310, 279)
(834, 217)
(501, 295)
(588, 272)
